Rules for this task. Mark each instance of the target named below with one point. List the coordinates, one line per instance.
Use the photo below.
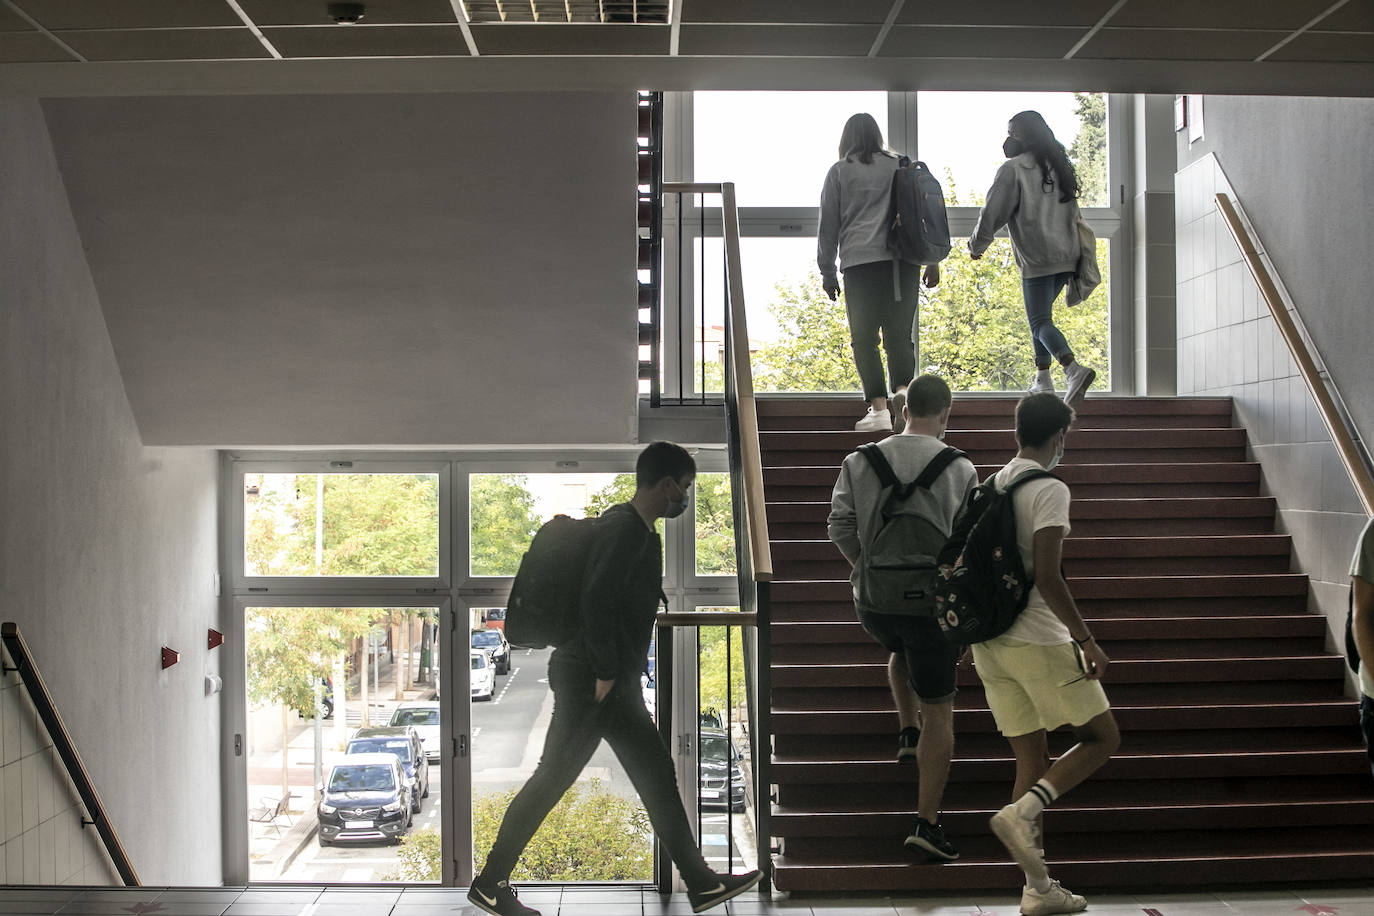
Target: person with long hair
(879, 291)
(1035, 195)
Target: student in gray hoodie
(1035, 194)
(879, 291)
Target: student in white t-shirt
(1362, 628)
(1044, 672)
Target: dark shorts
(1367, 726)
(930, 658)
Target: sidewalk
(272, 846)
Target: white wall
(107, 547)
(364, 270)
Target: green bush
(591, 835)
(421, 857)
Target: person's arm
(828, 233)
(1362, 624)
(997, 210)
(1049, 578)
(610, 564)
(843, 525)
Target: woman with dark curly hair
(1035, 194)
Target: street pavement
(507, 739)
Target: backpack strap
(935, 468)
(1027, 477)
(886, 476)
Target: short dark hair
(660, 460)
(928, 396)
(1039, 417)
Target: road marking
(510, 679)
(356, 874)
(475, 732)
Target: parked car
(325, 709)
(367, 797)
(649, 689)
(402, 742)
(483, 676)
(423, 716)
(719, 763)
(495, 619)
(493, 642)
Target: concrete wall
(363, 270)
(1227, 341)
(107, 549)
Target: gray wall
(1305, 183)
(363, 270)
(107, 547)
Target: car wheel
(414, 806)
(503, 668)
(326, 709)
(426, 794)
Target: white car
(424, 716)
(483, 675)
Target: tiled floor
(371, 901)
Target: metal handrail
(66, 749)
(1338, 423)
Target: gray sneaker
(1018, 835)
(1058, 899)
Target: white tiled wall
(1228, 345)
(41, 838)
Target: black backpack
(918, 227)
(983, 585)
(897, 572)
(1352, 651)
(544, 598)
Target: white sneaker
(1057, 899)
(1018, 835)
(1079, 379)
(1041, 384)
(875, 421)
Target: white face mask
(1057, 455)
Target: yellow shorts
(1030, 687)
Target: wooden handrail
(1271, 288)
(750, 452)
(691, 187)
(66, 749)
(706, 619)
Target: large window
(971, 328)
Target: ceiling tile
(312, 12)
(1344, 47)
(793, 11)
(165, 44)
(961, 41)
(1179, 44)
(1218, 14)
(778, 40)
(11, 21)
(512, 38)
(129, 14)
(29, 48)
(369, 41)
(1355, 16)
(550, 12)
(1006, 12)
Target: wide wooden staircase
(1240, 758)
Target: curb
(305, 830)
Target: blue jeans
(1040, 293)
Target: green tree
(712, 669)
(591, 835)
(715, 526)
(1089, 148)
(503, 523)
(421, 857)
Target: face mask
(1055, 460)
(1012, 147)
(677, 507)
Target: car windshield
(478, 662)
(399, 747)
(714, 748)
(486, 639)
(415, 717)
(371, 777)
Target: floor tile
(200, 895)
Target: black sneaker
(727, 886)
(906, 744)
(930, 839)
(501, 900)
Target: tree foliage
(591, 835)
(420, 856)
(1089, 148)
(712, 668)
(503, 521)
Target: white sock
(1034, 801)
(1042, 377)
(1037, 885)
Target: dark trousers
(1039, 294)
(577, 727)
(1367, 726)
(872, 305)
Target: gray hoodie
(854, 207)
(1044, 230)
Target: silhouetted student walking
(1044, 672)
(880, 291)
(1359, 637)
(1035, 194)
(878, 526)
(595, 682)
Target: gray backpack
(897, 571)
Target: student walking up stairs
(1240, 758)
